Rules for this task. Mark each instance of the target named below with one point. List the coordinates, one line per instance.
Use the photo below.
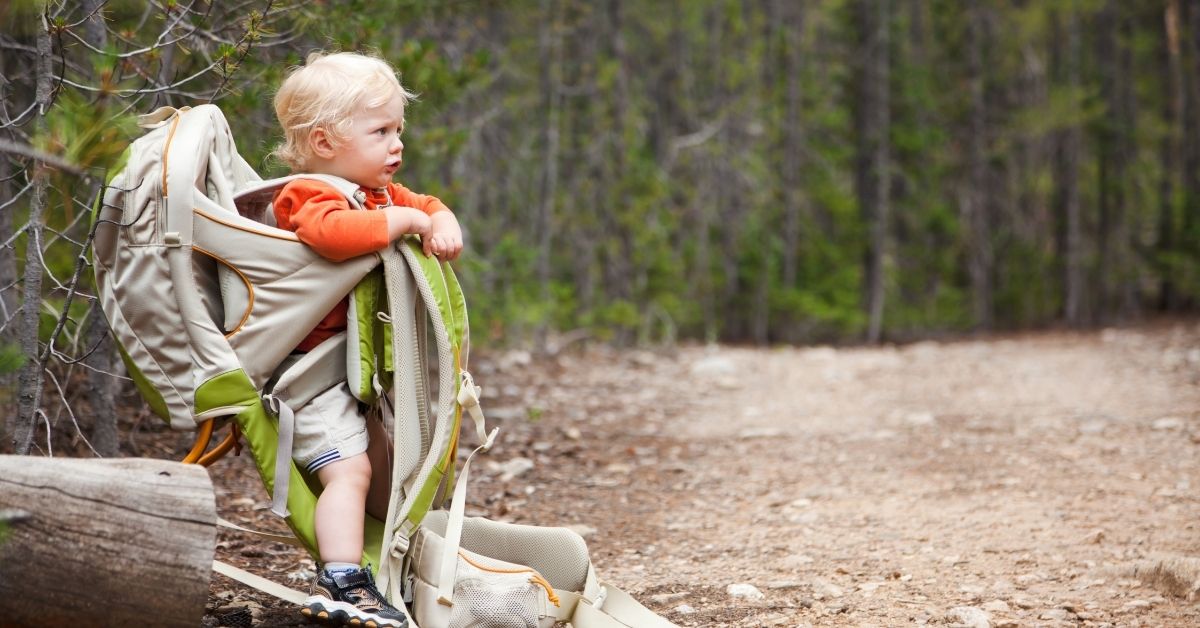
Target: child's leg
(379, 452)
(339, 515)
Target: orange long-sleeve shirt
(323, 219)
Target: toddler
(342, 115)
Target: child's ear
(322, 145)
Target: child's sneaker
(349, 598)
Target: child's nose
(398, 145)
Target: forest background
(767, 171)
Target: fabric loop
(283, 454)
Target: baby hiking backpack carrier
(207, 299)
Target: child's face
(372, 152)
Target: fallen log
(117, 542)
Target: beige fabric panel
(559, 554)
(310, 375)
(293, 287)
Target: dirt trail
(1017, 482)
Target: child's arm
(402, 220)
(445, 236)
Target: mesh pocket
(486, 598)
(504, 602)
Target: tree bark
(874, 154)
(29, 387)
(1191, 128)
(1169, 150)
(549, 181)
(105, 542)
(102, 388)
(792, 163)
(1071, 248)
(976, 199)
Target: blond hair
(324, 93)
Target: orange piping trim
(249, 288)
(493, 569)
(167, 150)
(289, 237)
(203, 436)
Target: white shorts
(328, 429)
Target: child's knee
(355, 470)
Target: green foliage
(683, 150)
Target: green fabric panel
(432, 269)
(261, 433)
(231, 388)
(366, 305)
(157, 404)
(458, 304)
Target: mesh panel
(494, 600)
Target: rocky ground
(1046, 479)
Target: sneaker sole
(332, 613)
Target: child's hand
(445, 237)
(402, 220)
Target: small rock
(301, 575)
(781, 585)
(714, 365)
(1007, 623)
(969, 616)
(1167, 423)
(581, 529)
(573, 433)
(996, 606)
(667, 598)
(516, 358)
(1136, 606)
(515, 467)
(744, 591)
(760, 432)
(920, 419)
(822, 589)
(685, 609)
(506, 413)
(1094, 537)
(1055, 614)
(1023, 603)
(837, 609)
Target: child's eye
(382, 131)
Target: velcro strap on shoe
(347, 579)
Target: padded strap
(601, 605)
(260, 583)
(283, 454)
(277, 538)
(454, 526)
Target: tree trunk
(1191, 129)
(102, 388)
(1170, 149)
(105, 542)
(873, 154)
(549, 181)
(976, 199)
(1071, 249)
(29, 390)
(102, 385)
(792, 162)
